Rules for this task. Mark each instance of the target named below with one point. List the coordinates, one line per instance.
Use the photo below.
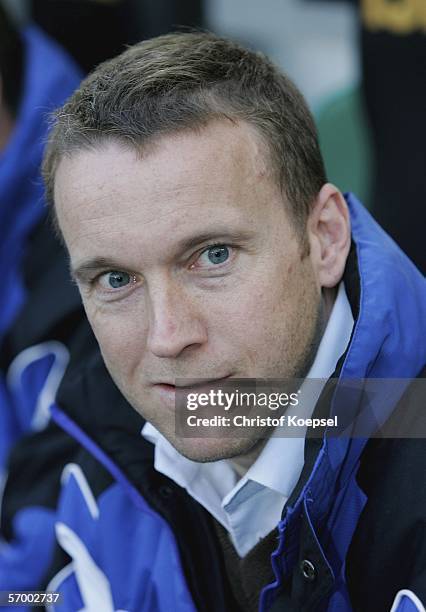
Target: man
(206, 243)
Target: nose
(174, 323)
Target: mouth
(189, 384)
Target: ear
(329, 236)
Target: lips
(190, 383)
(165, 387)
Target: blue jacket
(33, 302)
(49, 78)
(124, 554)
(130, 539)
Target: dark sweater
(247, 575)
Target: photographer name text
(257, 421)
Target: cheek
(274, 312)
(248, 318)
(121, 338)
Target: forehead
(219, 173)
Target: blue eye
(217, 254)
(116, 280)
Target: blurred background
(361, 65)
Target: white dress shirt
(250, 507)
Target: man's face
(189, 267)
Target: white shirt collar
(250, 507)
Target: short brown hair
(182, 81)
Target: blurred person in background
(40, 311)
(393, 53)
(392, 42)
(36, 77)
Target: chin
(206, 450)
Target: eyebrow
(221, 234)
(87, 268)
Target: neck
(242, 463)
(329, 297)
